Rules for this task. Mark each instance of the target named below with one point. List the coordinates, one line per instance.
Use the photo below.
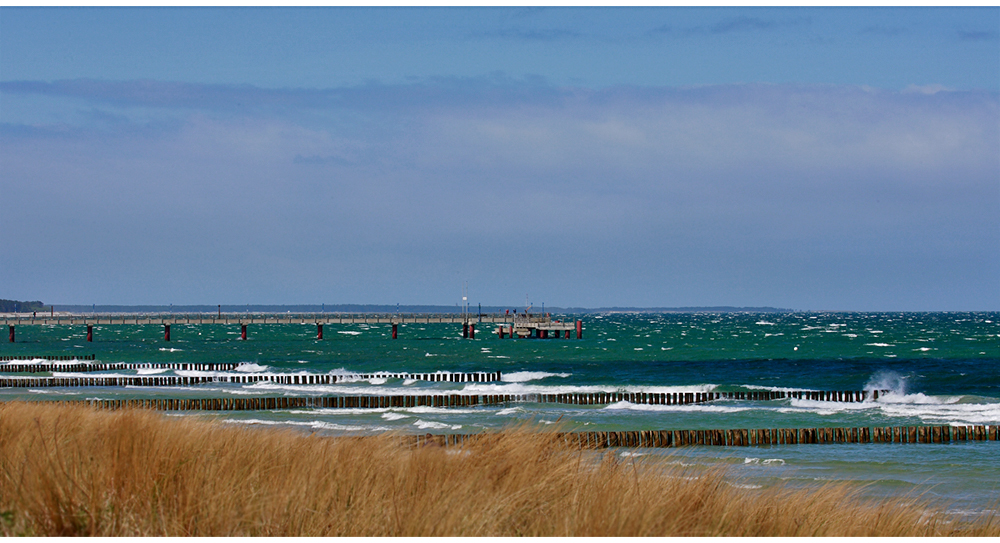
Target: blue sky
(809, 158)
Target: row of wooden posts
(591, 440)
(744, 437)
(63, 357)
(117, 366)
(284, 379)
(286, 402)
(365, 401)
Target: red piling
(319, 331)
(472, 330)
(90, 332)
(243, 331)
(11, 336)
(579, 329)
(394, 330)
(166, 332)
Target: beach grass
(68, 471)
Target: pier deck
(516, 325)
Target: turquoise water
(941, 368)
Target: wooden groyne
(160, 381)
(119, 366)
(587, 440)
(358, 401)
(62, 357)
(745, 437)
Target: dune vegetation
(78, 471)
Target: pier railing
(257, 318)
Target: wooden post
(319, 330)
(90, 332)
(11, 333)
(243, 331)
(166, 332)
(394, 330)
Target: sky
(803, 158)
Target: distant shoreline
(377, 308)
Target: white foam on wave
(918, 398)
(955, 413)
(764, 462)
(823, 408)
(250, 367)
(688, 408)
(349, 332)
(315, 424)
(524, 376)
(392, 415)
(170, 349)
(432, 425)
(405, 411)
(151, 371)
(509, 411)
(358, 388)
(522, 388)
(879, 345)
(953, 410)
(776, 389)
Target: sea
(939, 369)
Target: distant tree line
(10, 306)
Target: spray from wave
(887, 380)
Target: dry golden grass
(76, 471)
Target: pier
(508, 325)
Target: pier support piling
(90, 332)
(319, 331)
(472, 330)
(394, 325)
(166, 332)
(579, 329)
(243, 331)
(11, 333)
